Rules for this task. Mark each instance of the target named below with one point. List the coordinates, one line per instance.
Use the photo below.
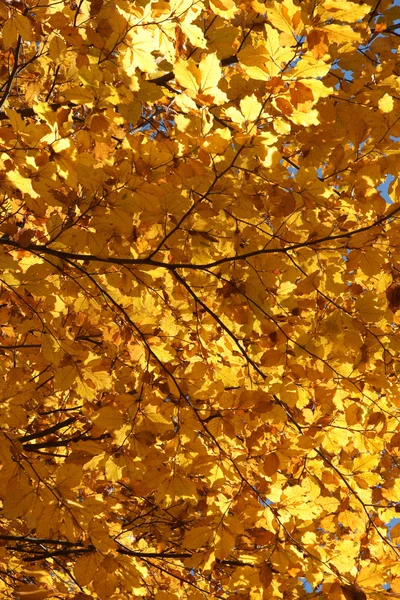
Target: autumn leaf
(199, 297)
(386, 103)
(32, 592)
(86, 567)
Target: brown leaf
(352, 592)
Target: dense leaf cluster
(199, 296)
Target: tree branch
(13, 73)
(49, 430)
(71, 256)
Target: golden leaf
(187, 75)
(24, 27)
(250, 108)
(199, 299)
(386, 104)
(224, 542)
(271, 464)
(224, 8)
(86, 567)
(29, 591)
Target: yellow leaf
(224, 542)
(86, 567)
(57, 49)
(113, 469)
(139, 53)
(352, 520)
(17, 122)
(9, 33)
(99, 533)
(386, 104)
(224, 8)
(29, 591)
(281, 14)
(250, 107)
(24, 26)
(51, 349)
(91, 75)
(101, 379)
(187, 75)
(20, 501)
(80, 95)
(198, 537)
(365, 462)
(177, 487)
(341, 34)
(23, 184)
(194, 34)
(395, 533)
(235, 115)
(370, 576)
(309, 68)
(367, 308)
(105, 584)
(342, 10)
(84, 390)
(210, 73)
(108, 418)
(254, 60)
(69, 476)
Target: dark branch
(71, 256)
(48, 431)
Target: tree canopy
(199, 299)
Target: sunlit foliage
(199, 299)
